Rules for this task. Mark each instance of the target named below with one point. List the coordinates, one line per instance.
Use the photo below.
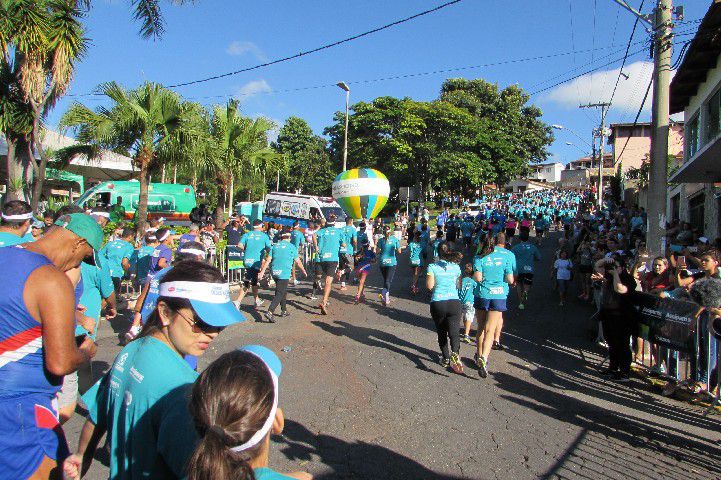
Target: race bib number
(387, 261)
(276, 273)
(496, 291)
(327, 255)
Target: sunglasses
(199, 326)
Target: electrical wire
(628, 47)
(635, 122)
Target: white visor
(100, 214)
(167, 234)
(193, 251)
(22, 216)
(200, 291)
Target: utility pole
(658, 174)
(602, 135)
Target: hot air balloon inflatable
(361, 192)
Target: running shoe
(466, 339)
(498, 346)
(295, 282)
(343, 288)
(323, 308)
(621, 377)
(387, 299)
(521, 306)
(658, 370)
(456, 364)
(258, 302)
(482, 366)
(285, 313)
(357, 299)
(133, 332)
(313, 296)
(445, 362)
(560, 304)
(608, 372)
(269, 317)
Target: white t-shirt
(563, 269)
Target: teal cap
(83, 226)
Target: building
(631, 144)
(576, 178)
(521, 185)
(696, 91)
(546, 172)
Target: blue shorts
(490, 304)
(30, 431)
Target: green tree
(41, 41)
(307, 157)
(141, 123)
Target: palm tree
(40, 40)
(143, 123)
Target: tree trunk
(219, 211)
(141, 214)
(18, 164)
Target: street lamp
(574, 145)
(345, 87)
(561, 127)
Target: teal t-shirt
(97, 285)
(254, 244)
(494, 267)
(388, 248)
(114, 253)
(297, 238)
(526, 254)
(349, 234)
(446, 275)
(330, 240)
(283, 255)
(8, 239)
(142, 260)
(142, 402)
(415, 249)
(465, 293)
(266, 473)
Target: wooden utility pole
(601, 133)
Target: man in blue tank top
(38, 345)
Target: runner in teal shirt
(526, 254)
(97, 285)
(387, 248)
(254, 244)
(282, 255)
(330, 239)
(10, 239)
(446, 277)
(117, 255)
(494, 267)
(17, 217)
(282, 258)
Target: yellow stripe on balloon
(380, 203)
(355, 202)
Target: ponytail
(213, 459)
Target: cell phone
(79, 339)
(681, 260)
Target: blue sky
(213, 36)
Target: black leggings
(281, 290)
(446, 314)
(388, 274)
(617, 331)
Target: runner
(493, 269)
(415, 258)
(387, 248)
(142, 260)
(526, 255)
(117, 255)
(17, 216)
(143, 396)
(563, 270)
(540, 226)
(234, 436)
(364, 260)
(330, 241)
(163, 253)
(465, 295)
(298, 240)
(347, 250)
(38, 344)
(282, 258)
(254, 245)
(443, 279)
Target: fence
(229, 261)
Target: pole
(345, 132)
(658, 177)
(277, 182)
(602, 134)
(175, 174)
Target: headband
(260, 434)
(167, 233)
(100, 214)
(22, 216)
(193, 251)
(217, 293)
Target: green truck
(168, 200)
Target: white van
(287, 208)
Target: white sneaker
(258, 302)
(133, 332)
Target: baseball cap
(211, 301)
(84, 227)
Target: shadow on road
(357, 460)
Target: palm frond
(148, 13)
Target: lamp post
(345, 87)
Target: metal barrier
(234, 276)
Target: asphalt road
(365, 398)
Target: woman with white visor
(141, 402)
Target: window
(675, 206)
(692, 137)
(695, 212)
(713, 109)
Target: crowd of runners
(62, 273)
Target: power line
(625, 57)
(635, 122)
(322, 47)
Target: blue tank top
(22, 368)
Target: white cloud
(597, 87)
(253, 88)
(238, 48)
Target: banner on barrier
(234, 256)
(667, 321)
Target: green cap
(84, 227)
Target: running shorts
(346, 261)
(363, 269)
(328, 268)
(250, 276)
(562, 285)
(490, 304)
(30, 431)
(469, 312)
(68, 394)
(525, 278)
